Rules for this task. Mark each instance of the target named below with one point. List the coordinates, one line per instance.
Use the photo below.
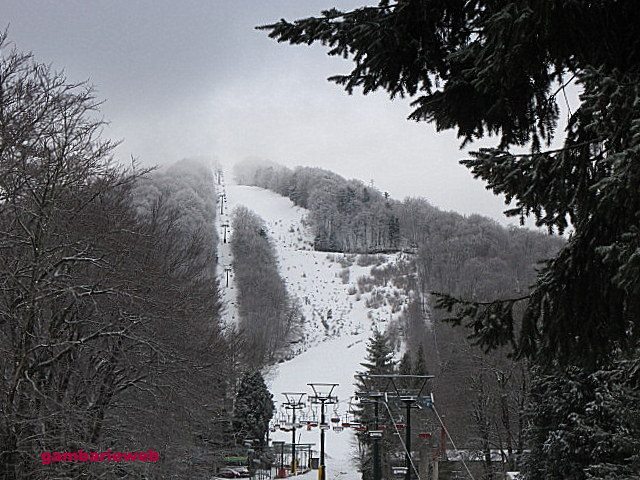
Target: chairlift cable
(452, 442)
(403, 444)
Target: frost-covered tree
(596, 420)
(379, 358)
(269, 316)
(499, 68)
(109, 308)
(253, 408)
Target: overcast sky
(193, 78)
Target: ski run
(338, 320)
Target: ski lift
(399, 471)
(312, 418)
(325, 426)
(346, 423)
(313, 423)
(424, 435)
(286, 425)
(336, 415)
(338, 428)
(400, 426)
(282, 421)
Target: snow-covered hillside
(339, 316)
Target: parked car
(233, 472)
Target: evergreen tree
(591, 429)
(365, 195)
(420, 365)
(253, 408)
(394, 231)
(498, 68)
(379, 361)
(405, 368)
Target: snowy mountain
(341, 304)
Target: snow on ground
(225, 258)
(337, 320)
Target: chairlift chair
(336, 416)
(399, 471)
(346, 421)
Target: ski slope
(338, 321)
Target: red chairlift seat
(400, 426)
(424, 435)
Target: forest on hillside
(346, 215)
(483, 396)
(469, 255)
(503, 73)
(270, 318)
(110, 332)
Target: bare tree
(108, 331)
